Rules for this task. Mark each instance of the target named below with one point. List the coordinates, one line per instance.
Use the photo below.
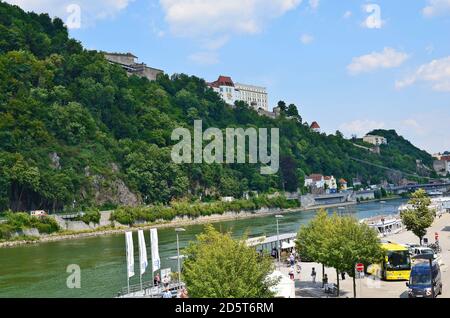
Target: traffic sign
(360, 268)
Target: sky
(350, 65)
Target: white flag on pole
(156, 262)
(130, 253)
(143, 262)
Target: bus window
(398, 260)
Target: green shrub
(6, 231)
(129, 215)
(91, 216)
(124, 215)
(21, 221)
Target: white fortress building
(230, 92)
(375, 140)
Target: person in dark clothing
(343, 275)
(313, 275)
(325, 281)
(274, 253)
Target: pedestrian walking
(274, 253)
(343, 275)
(291, 273)
(325, 281)
(299, 267)
(157, 280)
(292, 259)
(165, 281)
(313, 275)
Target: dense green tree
(217, 266)
(292, 111)
(58, 98)
(339, 243)
(282, 106)
(419, 217)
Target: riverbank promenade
(367, 287)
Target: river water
(40, 270)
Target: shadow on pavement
(308, 289)
(404, 294)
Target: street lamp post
(178, 230)
(383, 215)
(278, 241)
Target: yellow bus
(396, 264)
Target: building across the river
(128, 62)
(230, 92)
(255, 96)
(375, 140)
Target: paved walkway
(368, 287)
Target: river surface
(40, 270)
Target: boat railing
(148, 290)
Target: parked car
(412, 247)
(422, 282)
(422, 250)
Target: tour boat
(385, 225)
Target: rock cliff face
(113, 192)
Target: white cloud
(437, 72)
(388, 58)
(360, 127)
(427, 130)
(436, 7)
(416, 128)
(90, 11)
(209, 17)
(306, 39)
(314, 4)
(213, 22)
(205, 58)
(413, 124)
(347, 14)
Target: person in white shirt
(167, 294)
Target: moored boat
(385, 225)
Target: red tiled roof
(223, 81)
(315, 125)
(445, 158)
(342, 181)
(315, 177)
(327, 178)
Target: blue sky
(351, 65)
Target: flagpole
(153, 276)
(128, 276)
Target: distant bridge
(443, 187)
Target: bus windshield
(398, 260)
